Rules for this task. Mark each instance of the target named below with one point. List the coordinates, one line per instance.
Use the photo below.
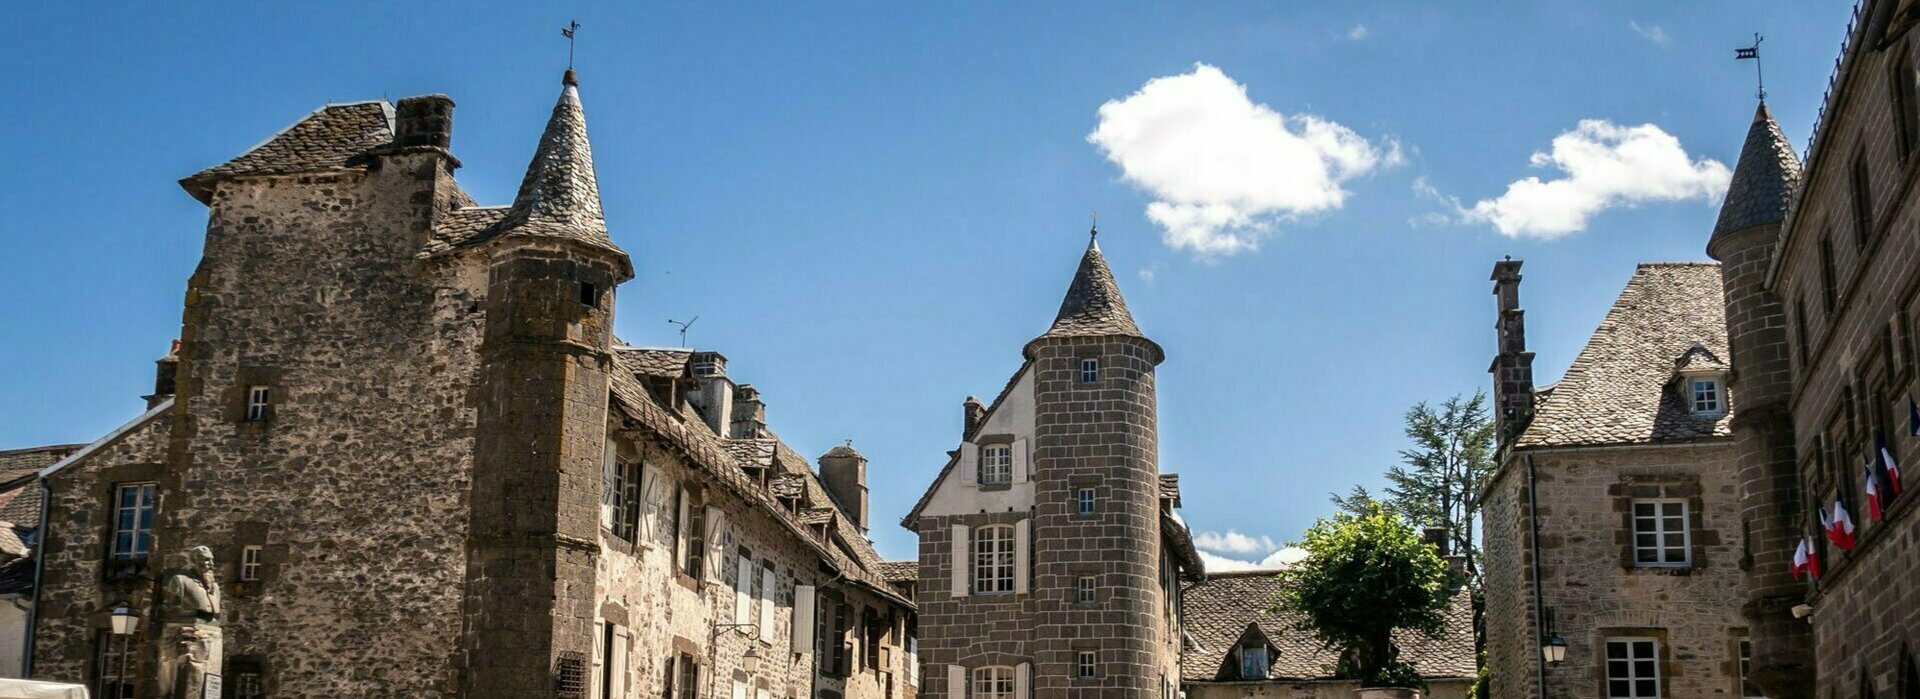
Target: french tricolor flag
(1806, 561)
(1892, 473)
(1839, 525)
(1873, 492)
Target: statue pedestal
(188, 653)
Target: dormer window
(1253, 661)
(1703, 396)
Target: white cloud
(1358, 32)
(1606, 165)
(1274, 561)
(1234, 542)
(1650, 32)
(1224, 169)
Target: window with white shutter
(743, 589)
(960, 562)
(803, 618)
(768, 599)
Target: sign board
(212, 687)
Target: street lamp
(123, 621)
(1554, 649)
(751, 661)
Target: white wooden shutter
(621, 642)
(609, 470)
(803, 620)
(739, 690)
(969, 464)
(681, 528)
(1020, 556)
(762, 694)
(960, 560)
(743, 591)
(649, 507)
(716, 547)
(1020, 681)
(1020, 474)
(768, 597)
(956, 682)
(599, 657)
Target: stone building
(1822, 287)
(1238, 647)
(1613, 519)
(21, 503)
(1051, 553)
(425, 467)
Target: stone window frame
(1657, 518)
(1086, 588)
(1086, 664)
(1080, 482)
(250, 555)
(1089, 372)
(1740, 663)
(1662, 487)
(1663, 665)
(137, 560)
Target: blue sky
(872, 207)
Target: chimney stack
(1512, 368)
(714, 397)
(972, 412)
(749, 420)
(844, 473)
(425, 120)
(164, 371)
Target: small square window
(1704, 396)
(250, 563)
(1085, 663)
(1083, 590)
(259, 403)
(1090, 370)
(996, 464)
(1083, 501)
(589, 294)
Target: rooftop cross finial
(568, 33)
(1094, 231)
(1753, 52)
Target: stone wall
(1587, 573)
(1857, 367)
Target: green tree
(1437, 483)
(1365, 576)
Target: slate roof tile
(328, 139)
(1218, 611)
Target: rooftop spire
(560, 196)
(1093, 306)
(1763, 180)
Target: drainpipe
(39, 564)
(1533, 548)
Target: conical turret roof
(1763, 180)
(560, 196)
(1093, 306)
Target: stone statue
(190, 637)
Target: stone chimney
(714, 395)
(749, 420)
(1439, 538)
(164, 371)
(1512, 368)
(426, 120)
(843, 472)
(971, 413)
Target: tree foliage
(1437, 483)
(1366, 575)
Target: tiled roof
(21, 505)
(11, 545)
(1218, 611)
(818, 515)
(900, 571)
(461, 225)
(560, 195)
(1763, 179)
(16, 577)
(1170, 487)
(1620, 389)
(17, 462)
(325, 140)
(1093, 306)
(788, 485)
(665, 362)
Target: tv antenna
(683, 328)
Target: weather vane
(683, 328)
(567, 32)
(1094, 231)
(1753, 52)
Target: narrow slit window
(259, 403)
(250, 563)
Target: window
(1800, 328)
(259, 403)
(113, 666)
(1744, 663)
(133, 523)
(1906, 113)
(688, 685)
(695, 531)
(1090, 370)
(1704, 396)
(1862, 203)
(996, 464)
(993, 560)
(1660, 533)
(1253, 661)
(249, 563)
(1633, 668)
(247, 685)
(876, 632)
(993, 683)
(1083, 501)
(589, 294)
(1085, 663)
(620, 498)
(1084, 590)
(1828, 283)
